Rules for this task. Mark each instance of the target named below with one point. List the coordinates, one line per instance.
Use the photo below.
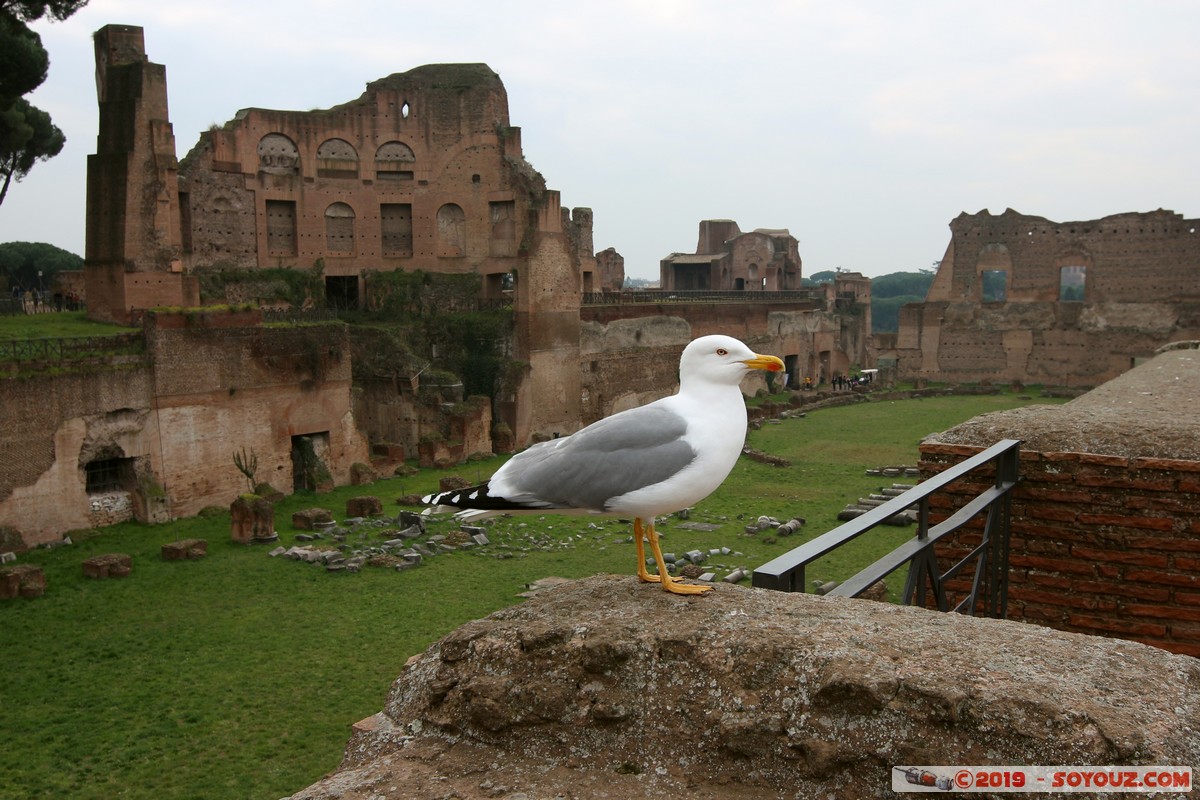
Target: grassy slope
(57, 324)
(238, 675)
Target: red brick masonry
(1107, 545)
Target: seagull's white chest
(716, 431)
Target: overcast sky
(861, 127)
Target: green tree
(26, 136)
(26, 133)
(21, 263)
(825, 276)
(901, 283)
(890, 292)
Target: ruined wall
(546, 304)
(1022, 298)
(423, 171)
(133, 225)
(726, 259)
(56, 426)
(223, 382)
(1106, 539)
(167, 427)
(610, 272)
(629, 353)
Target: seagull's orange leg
(669, 584)
(638, 535)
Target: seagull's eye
(721, 351)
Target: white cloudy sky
(862, 126)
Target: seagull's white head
(722, 360)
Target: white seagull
(642, 463)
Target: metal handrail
(989, 590)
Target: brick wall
(1106, 545)
(1106, 516)
(1139, 284)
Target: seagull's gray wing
(614, 456)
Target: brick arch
(394, 162)
(1073, 266)
(337, 158)
(452, 230)
(278, 155)
(993, 273)
(339, 228)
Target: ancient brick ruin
(133, 252)
(1106, 539)
(728, 260)
(422, 172)
(152, 439)
(1022, 298)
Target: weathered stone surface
(252, 519)
(306, 519)
(363, 507)
(22, 580)
(607, 687)
(185, 550)
(362, 474)
(108, 565)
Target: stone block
(185, 550)
(308, 518)
(365, 506)
(388, 451)
(22, 580)
(108, 565)
(362, 474)
(252, 519)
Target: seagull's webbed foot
(673, 586)
(669, 584)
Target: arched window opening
(277, 155)
(394, 162)
(1072, 284)
(994, 288)
(452, 230)
(337, 158)
(339, 228)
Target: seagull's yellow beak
(769, 363)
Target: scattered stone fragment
(108, 565)
(365, 506)
(22, 580)
(185, 550)
(306, 519)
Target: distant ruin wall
(1021, 298)
(166, 435)
(629, 353)
(1106, 537)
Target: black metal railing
(70, 348)
(989, 586)
(639, 296)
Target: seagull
(642, 463)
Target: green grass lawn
(54, 325)
(238, 676)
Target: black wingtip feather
(477, 498)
